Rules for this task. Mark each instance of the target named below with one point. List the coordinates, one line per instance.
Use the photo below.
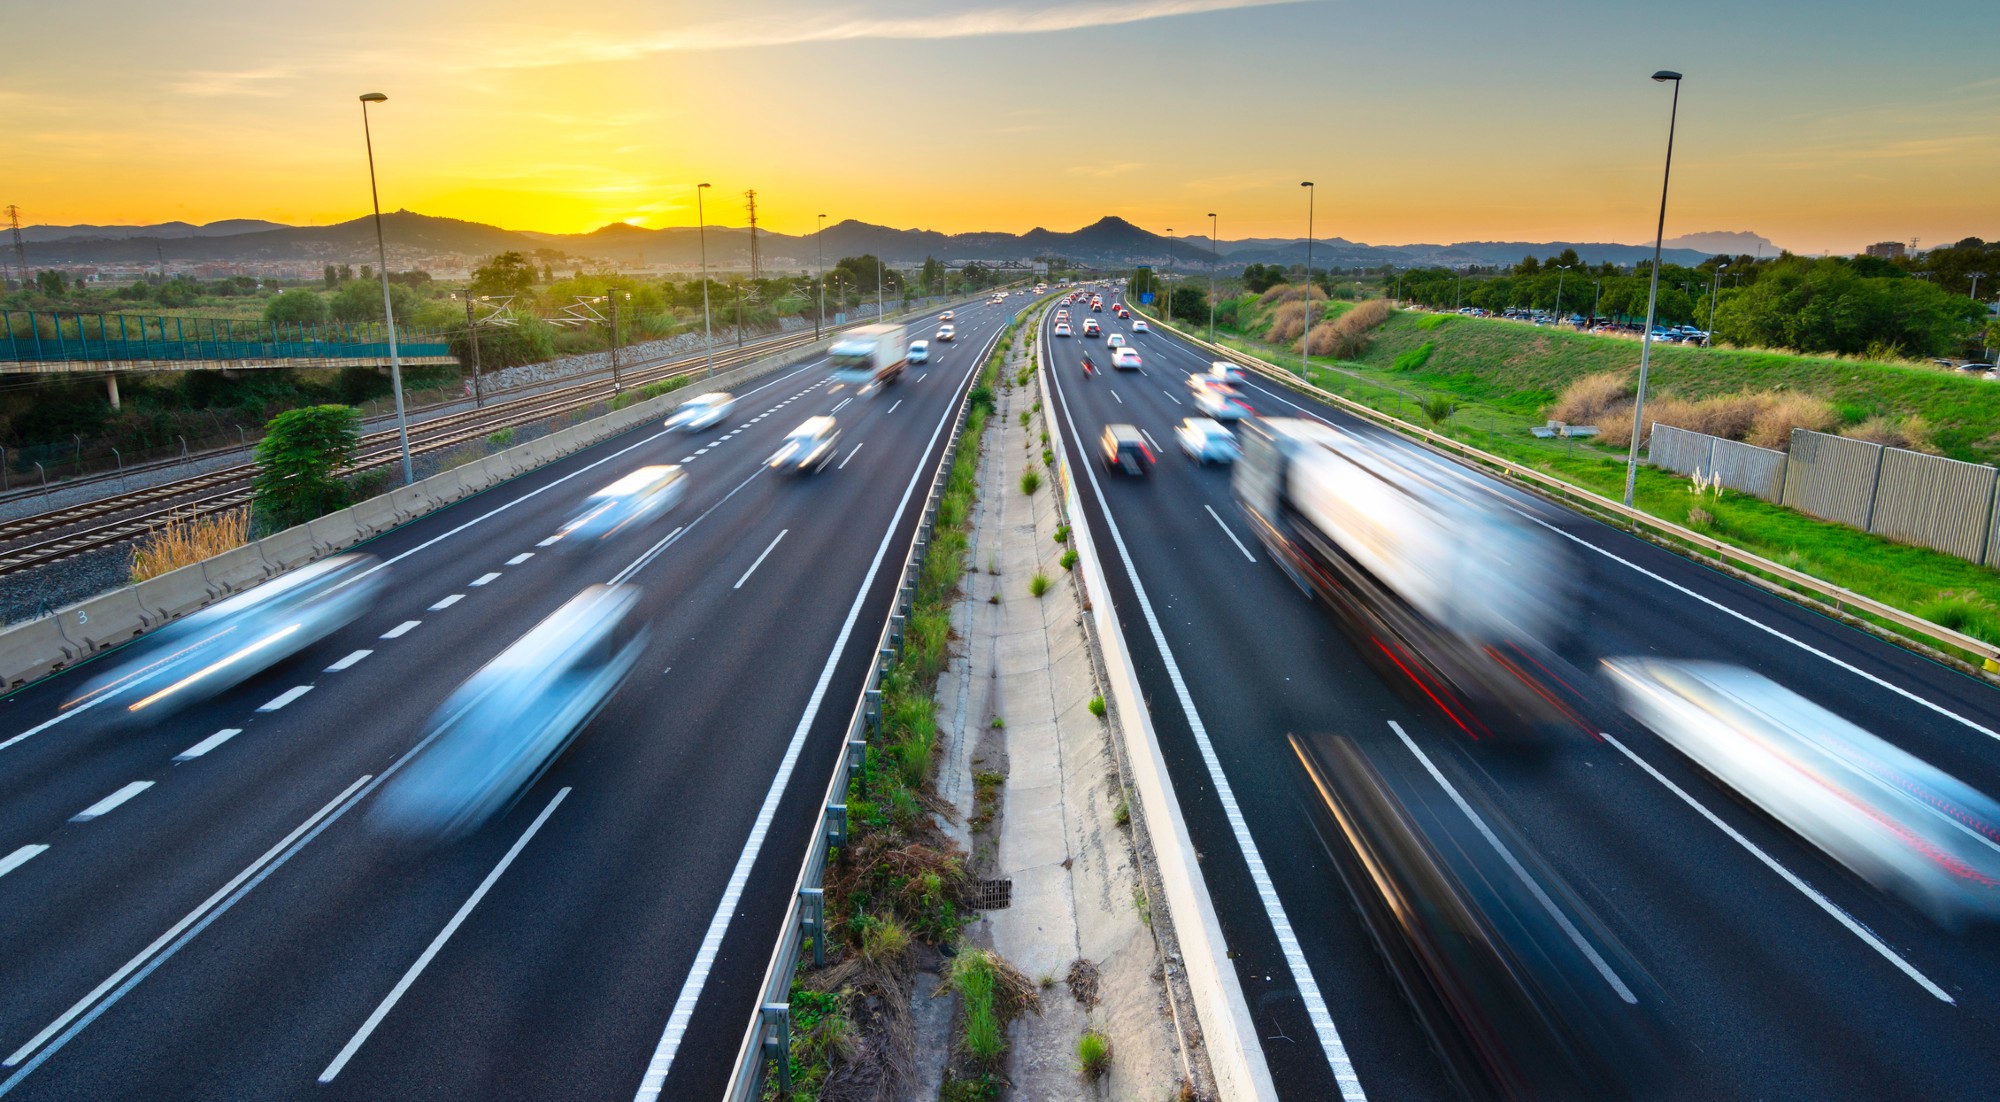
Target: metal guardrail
(1837, 598)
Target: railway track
(63, 533)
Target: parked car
(1206, 441)
(1123, 449)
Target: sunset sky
(1823, 125)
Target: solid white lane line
(20, 857)
(892, 409)
(110, 803)
(224, 898)
(285, 698)
(850, 455)
(550, 542)
(1230, 534)
(401, 629)
(1327, 1033)
(447, 602)
(410, 977)
(486, 578)
(1513, 863)
(1121, 401)
(718, 924)
(1829, 906)
(759, 562)
(519, 559)
(839, 405)
(349, 661)
(1155, 443)
(209, 743)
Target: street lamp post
(701, 229)
(1715, 289)
(1653, 291)
(617, 384)
(819, 242)
(1596, 300)
(1214, 262)
(1170, 275)
(1559, 291)
(472, 337)
(388, 311)
(1976, 277)
(1305, 342)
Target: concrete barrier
(172, 594)
(374, 516)
(33, 650)
(293, 547)
(232, 571)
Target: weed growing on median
(1030, 481)
(1069, 559)
(1093, 1054)
(1097, 706)
(1062, 533)
(1038, 585)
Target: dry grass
(1584, 401)
(1912, 433)
(1346, 337)
(1289, 292)
(186, 540)
(1765, 419)
(1288, 323)
(1773, 426)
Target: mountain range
(418, 240)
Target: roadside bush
(1346, 337)
(1587, 399)
(1912, 432)
(1069, 559)
(1773, 425)
(1287, 323)
(298, 464)
(185, 540)
(1290, 292)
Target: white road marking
(702, 451)
(839, 405)
(209, 743)
(850, 455)
(410, 977)
(711, 943)
(687, 458)
(349, 661)
(1513, 863)
(285, 698)
(1170, 396)
(1155, 443)
(760, 561)
(1230, 534)
(447, 602)
(1825, 904)
(110, 803)
(1121, 401)
(892, 409)
(716, 443)
(485, 579)
(552, 540)
(519, 559)
(20, 857)
(401, 629)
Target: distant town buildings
(1888, 250)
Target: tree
(50, 282)
(933, 275)
(1258, 278)
(510, 273)
(295, 308)
(332, 277)
(357, 302)
(1827, 306)
(299, 462)
(1190, 302)
(367, 272)
(1528, 266)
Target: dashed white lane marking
(837, 406)
(1825, 904)
(1121, 401)
(1230, 534)
(850, 455)
(717, 442)
(551, 541)
(519, 559)
(401, 629)
(109, 803)
(20, 857)
(1150, 440)
(892, 409)
(702, 451)
(447, 602)
(485, 579)
(1170, 396)
(760, 560)
(1534, 887)
(410, 977)
(285, 698)
(209, 743)
(746, 424)
(349, 661)
(687, 458)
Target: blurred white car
(1062, 329)
(1206, 441)
(947, 315)
(947, 333)
(809, 447)
(1226, 371)
(1218, 399)
(701, 411)
(1139, 326)
(632, 500)
(919, 353)
(1115, 340)
(1125, 359)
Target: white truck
(1439, 580)
(867, 354)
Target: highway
(1778, 974)
(201, 908)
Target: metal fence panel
(1679, 450)
(1832, 477)
(1934, 502)
(1750, 469)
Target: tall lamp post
(1170, 275)
(1653, 291)
(819, 242)
(388, 311)
(1305, 342)
(1715, 289)
(701, 229)
(1214, 261)
(1559, 291)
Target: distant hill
(1110, 241)
(1726, 242)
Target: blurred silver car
(1225, 371)
(1218, 399)
(507, 724)
(1892, 818)
(919, 353)
(702, 411)
(631, 501)
(1206, 441)
(809, 447)
(228, 642)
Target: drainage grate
(993, 895)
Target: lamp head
(1305, 183)
(374, 97)
(701, 186)
(1665, 75)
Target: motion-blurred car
(919, 353)
(1062, 329)
(1140, 326)
(1115, 340)
(1123, 449)
(1206, 441)
(507, 724)
(630, 502)
(808, 448)
(1062, 315)
(227, 643)
(1897, 821)
(1225, 371)
(1125, 359)
(1124, 313)
(1091, 328)
(948, 315)
(1218, 399)
(701, 411)
(947, 333)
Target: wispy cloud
(1104, 170)
(245, 82)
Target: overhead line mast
(751, 199)
(20, 245)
